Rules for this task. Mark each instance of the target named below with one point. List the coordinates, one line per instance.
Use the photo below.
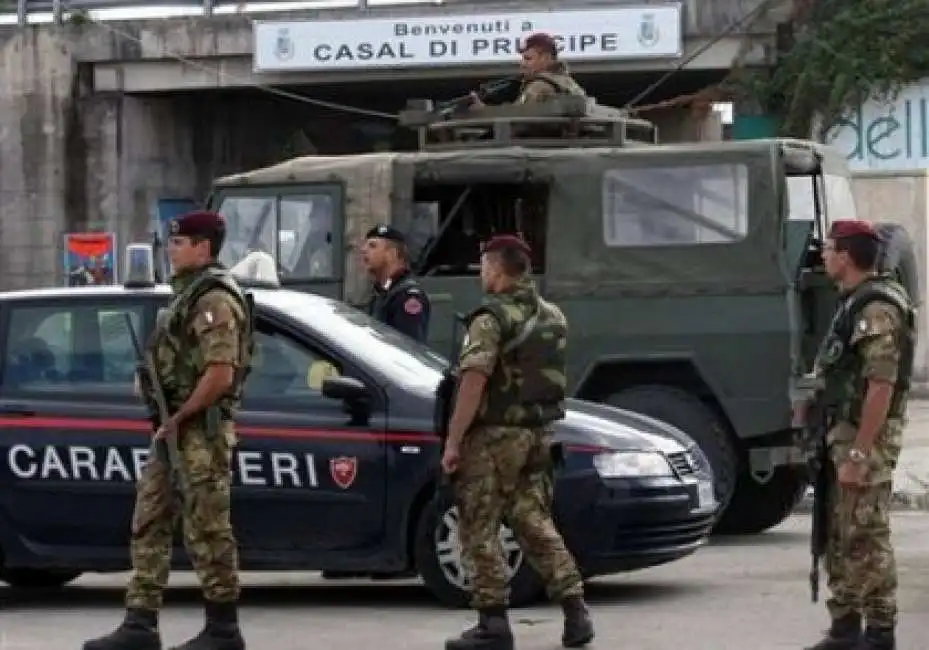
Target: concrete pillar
(37, 138)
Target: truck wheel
(683, 410)
(437, 556)
(37, 578)
(755, 508)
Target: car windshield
(405, 361)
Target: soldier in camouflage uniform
(866, 363)
(511, 388)
(544, 76)
(200, 348)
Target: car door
(309, 476)
(73, 436)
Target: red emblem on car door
(344, 470)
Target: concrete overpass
(99, 119)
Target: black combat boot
(138, 631)
(221, 631)
(877, 638)
(492, 632)
(844, 634)
(578, 628)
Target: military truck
(691, 274)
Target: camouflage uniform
(505, 472)
(876, 345)
(208, 323)
(207, 332)
(545, 85)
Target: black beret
(384, 231)
(198, 224)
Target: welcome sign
(628, 32)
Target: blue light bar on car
(140, 266)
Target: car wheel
(438, 561)
(683, 410)
(755, 507)
(37, 578)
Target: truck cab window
(451, 220)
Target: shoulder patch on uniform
(413, 306)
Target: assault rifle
(815, 428)
(152, 392)
(485, 91)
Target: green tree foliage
(844, 52)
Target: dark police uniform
(401, 302)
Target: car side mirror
(347, 389)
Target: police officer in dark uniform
(397, 300)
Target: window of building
(296, 230)
(71, 347)
(284, 368)
(675, 206)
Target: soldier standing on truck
(511, 388)
(200, 349)
(544, 76)
(397, 299)
(866, 361)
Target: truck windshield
(296, 230)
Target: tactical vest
(173, 334)
(561, 82)
(842, 366)
(528, 385)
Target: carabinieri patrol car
(338, 460)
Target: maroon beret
(851, 227)
(198, 224)
(506, 242)
(541, 41)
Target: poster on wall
(90, 258)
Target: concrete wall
(902, 197)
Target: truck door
(804, 233)
(451, 219)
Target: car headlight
(622, 464)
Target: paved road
(913, 471)
(732, 595)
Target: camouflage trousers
(204, 515)
(505, 474)
(859, 558)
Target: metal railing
(60, 10)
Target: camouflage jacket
(518, 340)
(544, 85)
(208, 322)
(872, 337)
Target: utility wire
(242, 81)
(741, 22)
